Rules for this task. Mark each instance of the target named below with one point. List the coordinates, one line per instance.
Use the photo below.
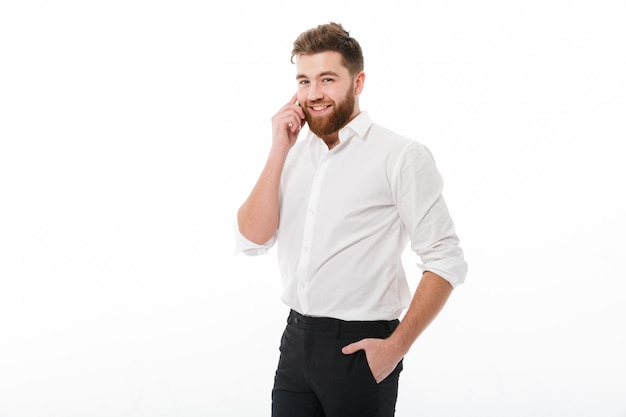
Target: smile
(319, 108)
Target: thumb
(353, 347)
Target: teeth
(319, 107)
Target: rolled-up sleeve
(425, 215)
(247, 247)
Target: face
(326, 92)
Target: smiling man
(342, 204)
(326, 88)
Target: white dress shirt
(346, 216)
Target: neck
(331, 140)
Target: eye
(327, 80)
(303, 82)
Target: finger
(293, 115)
(352, 348)
(301, 115)
(298, 121)
(294, 100)
(293, 123)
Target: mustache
(311, 103)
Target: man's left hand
(382, 358)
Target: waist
(329, 324)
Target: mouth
(319, 108)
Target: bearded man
(342, 204)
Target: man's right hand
(286, 124)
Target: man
(343, 203)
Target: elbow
(255, 236)
(254, 232)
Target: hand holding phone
(286, 124)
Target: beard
(338, 118)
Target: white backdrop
(131, 130)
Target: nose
(315, 92)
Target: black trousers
(315, 379)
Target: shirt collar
(356, 127)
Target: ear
(359, 82)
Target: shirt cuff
(249, 248)
(453, 270)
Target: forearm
(258, 216)
(429, 298)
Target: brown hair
(330, 37)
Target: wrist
(279, 150)
(398, 343)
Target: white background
(130, 132)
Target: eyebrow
(321, 74)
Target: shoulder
(403, 147)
